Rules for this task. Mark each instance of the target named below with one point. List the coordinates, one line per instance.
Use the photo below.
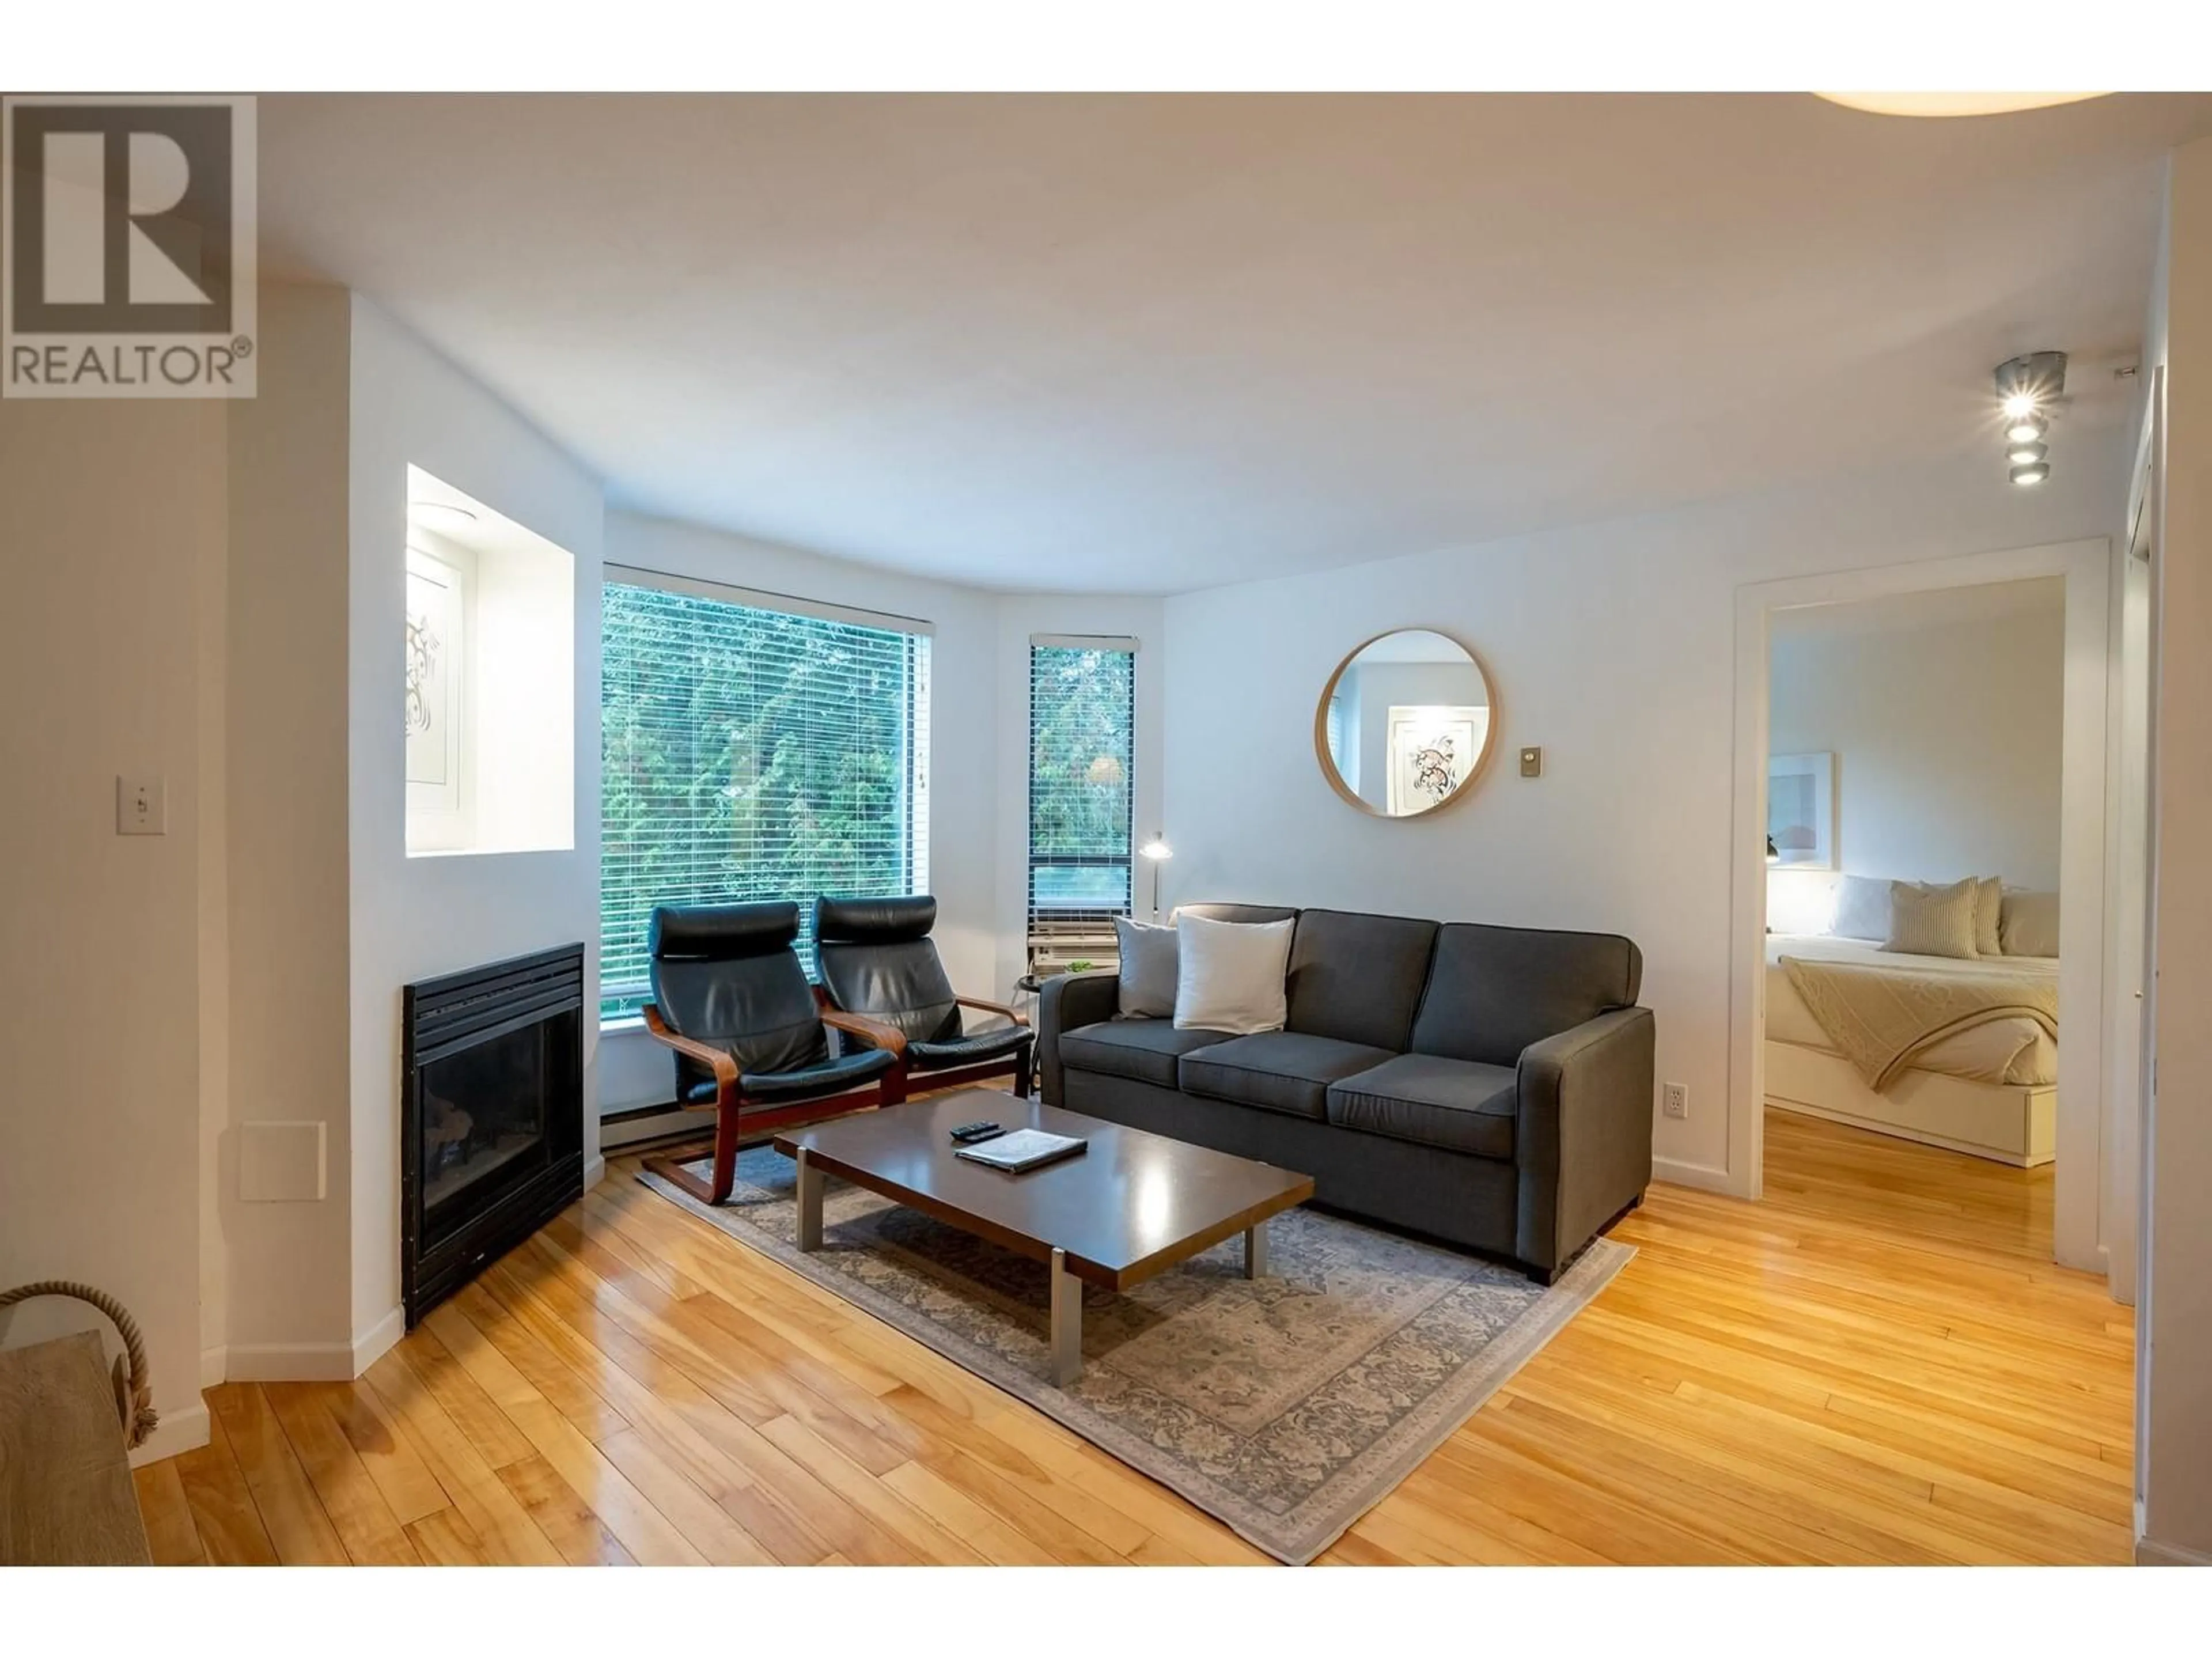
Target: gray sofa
(1488, 1086)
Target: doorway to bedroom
(2092, 1183)
(1914, 802)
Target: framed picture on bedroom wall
(1801, 809)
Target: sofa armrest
(1582, 1132)
(1064, 1003)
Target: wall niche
(490, 679)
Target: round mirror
(1403, 724)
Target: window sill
(622, 1023)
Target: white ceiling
(1155, 343)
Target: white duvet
(2016, 1051)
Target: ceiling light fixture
(2028, 388)
(1942, 105)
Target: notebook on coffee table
(1022, 1148)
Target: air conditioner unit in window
(1056, 946)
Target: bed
(1991, 1090)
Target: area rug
(1285, 1407)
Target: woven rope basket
(134, 1389)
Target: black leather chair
(878, 962)
(730, 997)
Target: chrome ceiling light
(2027, 389)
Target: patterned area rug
(1286, 1407)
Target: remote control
(982, 1129)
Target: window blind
(1083, 706)
(751, 753)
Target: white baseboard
(615, 1137)
(595, 1172)
(178, 1431)
(1705, 1175)
(214, 1367)
(288, 1362)
(313, 1362)
(2149, 1553)
(371, 1344)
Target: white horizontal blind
(1083, 704)
(751, 753)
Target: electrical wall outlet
(1675, 1099)
(141, 806)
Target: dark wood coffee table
(1132, 1205)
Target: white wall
(413, 918)
(1611, 645)
(2174, 1309)
(114, 525)
(1946, 738)
(285, 918)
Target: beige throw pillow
(1989, 906)
(1230, 975)
(2030, 925)
(1931, 921)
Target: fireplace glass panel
(484, 1123)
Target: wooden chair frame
(903, 1078)
(736, 1118)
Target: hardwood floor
(1879, 1364)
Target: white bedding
(2016, 1051)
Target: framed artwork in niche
(1801, 809)
(1430, 749)
(435, 679)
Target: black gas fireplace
(491, 1116)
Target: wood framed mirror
(1406, 723)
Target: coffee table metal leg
(1255, 1251)
(809, 1204)
(1066, 1322)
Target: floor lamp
(1157, 852)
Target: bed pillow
(2029, 927)
(1861, 908)
(1230, 975)
(1989, 904)
(1148, 969)
(1931, 921)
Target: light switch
(141, 806)
(1532, 762)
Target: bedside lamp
(1158, 852)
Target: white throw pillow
(1148, 969)
(1230, 975)
(1861, 908)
